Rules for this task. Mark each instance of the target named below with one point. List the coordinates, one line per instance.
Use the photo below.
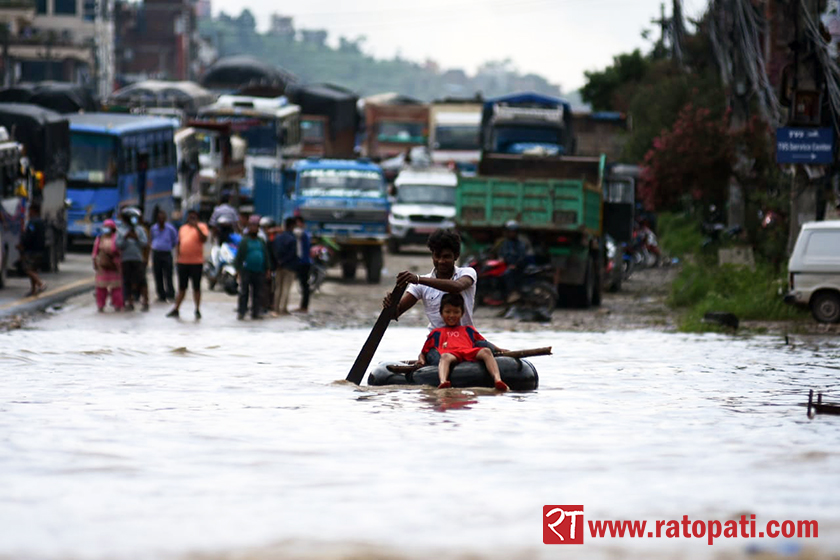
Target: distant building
(157, 39)
(62, 40)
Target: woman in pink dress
(106, 263)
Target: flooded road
(133, 436)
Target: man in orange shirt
(191, 239)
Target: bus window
(93, 158)
(128, 155)
(156, 156)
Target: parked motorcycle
(323, 254)
(219, 267)
(535, 291)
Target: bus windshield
(348, 183)
(457, 137)
(93, 158)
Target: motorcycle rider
(516, 250)
(222, 211)
(225, 233)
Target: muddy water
(132, 437)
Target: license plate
(424, 229)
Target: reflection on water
(138, 436)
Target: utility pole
(663, 23)
(7, 70)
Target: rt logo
(561, 525)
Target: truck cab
(454, 133)
(425, 201)
(527, 123)
(221, 158)
(344, 201)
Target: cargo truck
(329, 119)
(393, 124)
(344, 201)
(454, 133)
(46, 136)
(557, 199)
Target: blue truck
(527, 124)
(344, 201)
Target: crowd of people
(268, 261)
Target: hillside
(307, 54)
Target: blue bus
(118, 159)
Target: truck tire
(348, 270)
(55, 255)
(597, 288)
(582, 295)
(3, 253)
(825, 307)
(374, 262)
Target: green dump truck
(558, 203)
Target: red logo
(563, 525)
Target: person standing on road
(31, 247)
(164, 240)
(285, 256)
(303, 245)
(191, 239)
(253, 265)
(106, 263)
(132, 242)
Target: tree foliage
(692, 159)
(612, 88)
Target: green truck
(557, 201)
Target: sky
(558, 39)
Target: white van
(425, 202)
(814, 269)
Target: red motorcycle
(534, 289)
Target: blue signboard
(814, 146)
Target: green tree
(611, 88)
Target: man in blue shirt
(304, 242)
(253, 265)
(164, 240)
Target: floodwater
(138, 436)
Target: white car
(814, 269)
(425, 201)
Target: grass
(752, 294)
(749, 294)
(679, 235)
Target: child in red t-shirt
(457, 344)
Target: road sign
(813, 146)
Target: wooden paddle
(413, 366)
(357, 372)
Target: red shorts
(463, 354)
